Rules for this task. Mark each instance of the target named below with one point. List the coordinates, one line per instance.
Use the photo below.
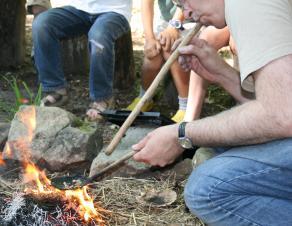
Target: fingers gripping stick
(151, 90)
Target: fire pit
(68, 206)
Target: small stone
(114, 127)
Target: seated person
(103, 22)
(157, 49)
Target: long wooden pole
(150, 91)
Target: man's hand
(37, 9)
(160, 147)
(200, 57)
(168, 37)
(152, 48)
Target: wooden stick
(111, 166)
(150, 91)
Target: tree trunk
(75, 56)
(12, 35)
(124, 64)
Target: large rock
(130, 167)
(59, 140)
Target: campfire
(39, 187)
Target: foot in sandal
(96, 107)
(55, 98)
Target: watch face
(185, 142)
(177, 24)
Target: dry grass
(119, 195)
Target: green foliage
(217, 100)
(82, 125)
(33, 99)
(20, 99)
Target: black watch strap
(182, 129)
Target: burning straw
(38, 186)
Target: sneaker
(202, 155)
(179, 116)
(146, 107)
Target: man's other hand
(160, 147)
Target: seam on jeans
(229, 212)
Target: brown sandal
(95, 108)
(55, 99)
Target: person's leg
(47, 30)
(149, 70)
(106, 29)
(249, 185)
(218, 38)
(181, 81)
(197, 92)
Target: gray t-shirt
(167, 9)
(262, 30)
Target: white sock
(182, 102)
(142, 92)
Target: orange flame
(28, 118)
(79, 199)
(8, 151)
(86, 208)
(2, 163)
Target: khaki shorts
(44, 3)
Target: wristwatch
(176, 24)
(184, 141)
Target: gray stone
(130, 167)
(203, 154)
(182, 169)
(56, 142)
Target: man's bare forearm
(266, 118)
(230, 81)
(236, 126)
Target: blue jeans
(66, 22)
(248, 185)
